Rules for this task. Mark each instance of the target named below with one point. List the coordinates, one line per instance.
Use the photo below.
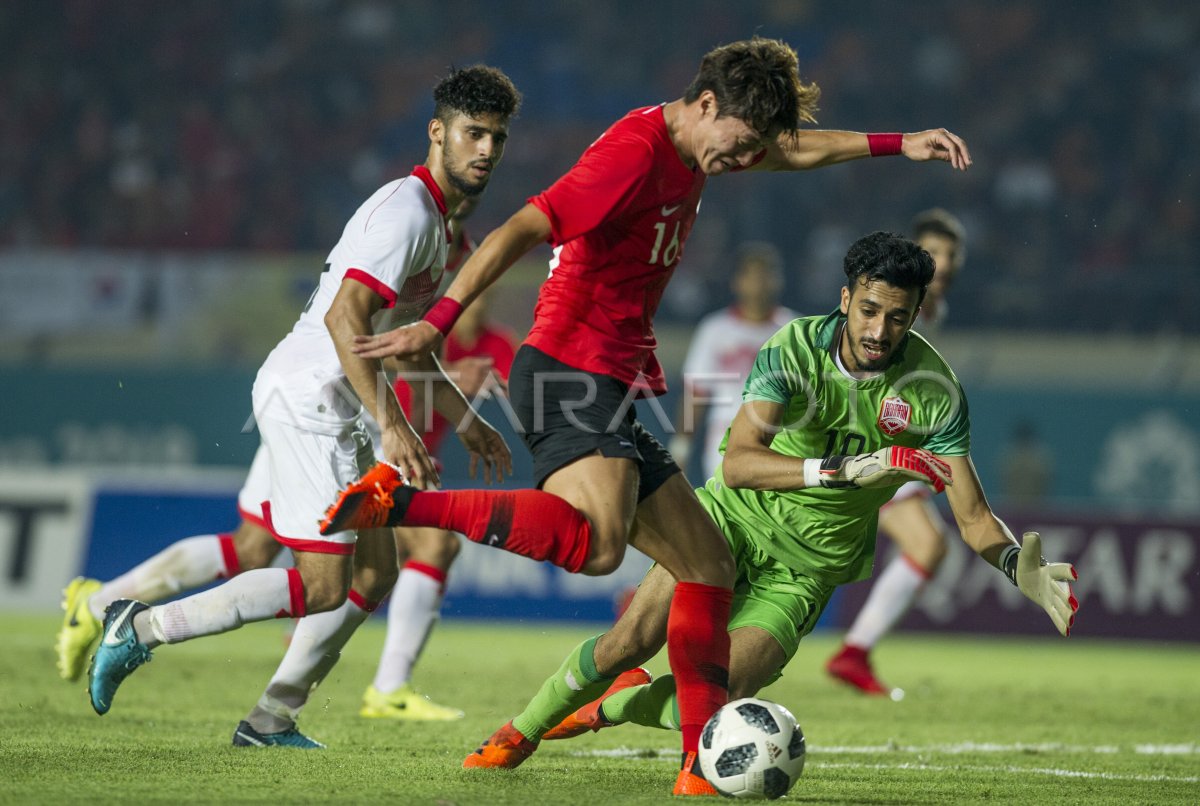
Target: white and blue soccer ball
(752, 748)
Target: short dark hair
(475, 91)
(891, 258)
(758, 81)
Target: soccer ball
(752, 748)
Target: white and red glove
(1048, 585)
(886, 466)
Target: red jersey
(619, 219)
(494, 342)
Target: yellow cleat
(80, 628)
(405, 703)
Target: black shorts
(566, 413)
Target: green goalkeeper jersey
(829, 534)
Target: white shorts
(256, 489)
(306, 472)
(910, 489)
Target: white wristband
(812, 472)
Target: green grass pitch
(984, 721)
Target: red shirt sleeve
(601, 186)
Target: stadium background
(171, 176)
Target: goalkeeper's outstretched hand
(892, 465)
(1047, 584)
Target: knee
(936, 555)
(375, 583)
(604, 558)
(439, 551)
(255, 548)
(930, 553)
(322, 594)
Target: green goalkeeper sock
(574, 685)
(654, 705)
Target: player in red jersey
(618, 221)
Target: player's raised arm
(1046, 584)
(528, 227)
(807, 149)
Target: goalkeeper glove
(886, 466)
(1045, 584)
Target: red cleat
(503, 750)
(370, 502)
(853, 667)
(588, 717)
(690, 780)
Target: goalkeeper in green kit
(838, 412)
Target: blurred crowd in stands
(261, 125)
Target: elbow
(734, 472)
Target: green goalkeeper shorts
(768, 594)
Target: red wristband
(885, 145)
(444, 314)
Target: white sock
(315, 648)
(415, 607)
(890, 598)
(181, 566)
(253, 596)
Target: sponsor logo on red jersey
(894, 415)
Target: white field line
(942, 749)
(1106, 776)
(673, 756)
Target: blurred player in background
(910, 519)
(799, 489)
(619, 220)
(478, 355)
(723, 350)
(308, 397)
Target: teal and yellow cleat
(117, 655)
(405, 703)
(246, 736)
(79, 630)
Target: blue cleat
(246, 736)
(118, 653)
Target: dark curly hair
(475, 91)
(757, 81)
(891, 258)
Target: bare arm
(1047, 585)
(816, 148)
(749, 461)
(349, 315)
(985, 533)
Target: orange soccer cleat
(504, 750)
(377, 499)
(690, 780)
(588, 717)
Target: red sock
(527, 522)
(698, 649)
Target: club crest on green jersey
(894, 415)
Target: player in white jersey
(308, 398)
(910, 519)
(724, 347)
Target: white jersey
(717, 365)
(396, 245)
